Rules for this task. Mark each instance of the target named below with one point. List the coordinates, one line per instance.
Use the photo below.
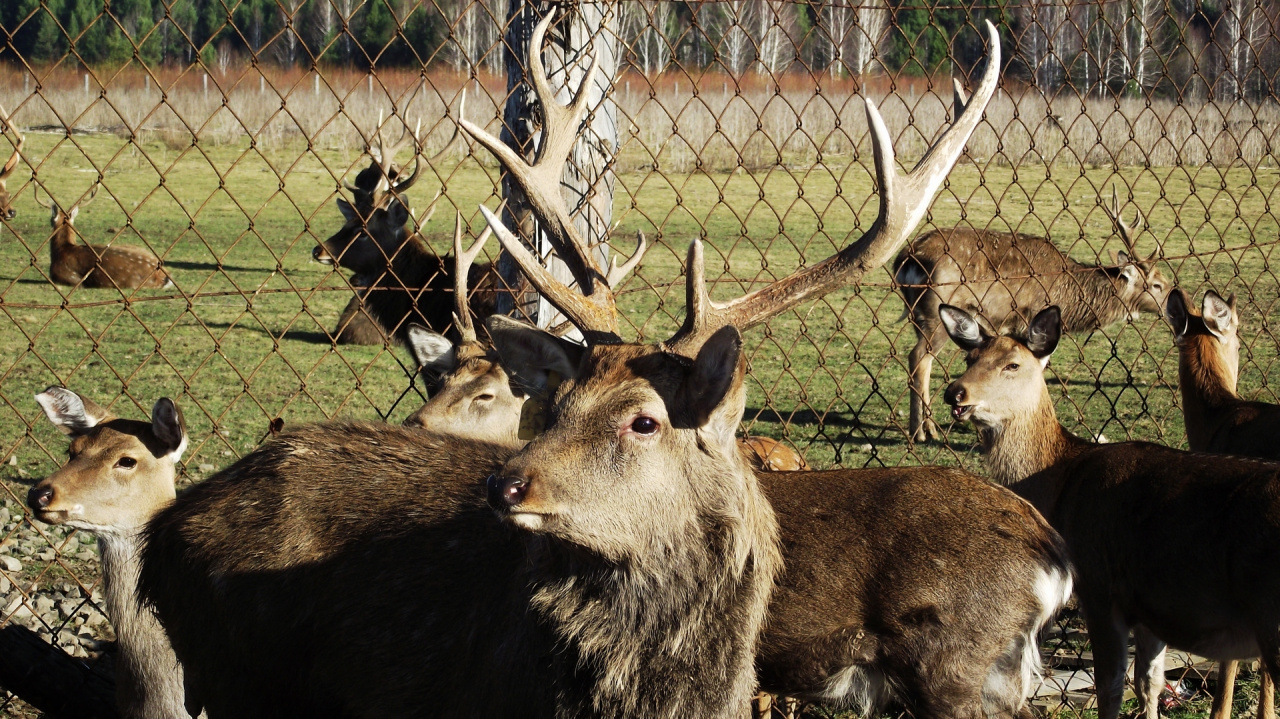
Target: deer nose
(39, 497)
(507, 492)
(955, 394)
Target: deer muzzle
(506, 493)
(321, 255)
(956, 397)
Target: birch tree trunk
(589, 30)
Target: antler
(1128, 234)
(616, 272)
(903, 203)
(17, 148)
(462, 268)
(593, 311)
(92, 194)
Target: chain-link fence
(221, 135)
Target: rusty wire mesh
(221, 134)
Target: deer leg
(1266, 695)
(1148, 671)
(1109, 638)
(929, 337)
(1270, 645)
(1226, 689)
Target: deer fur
(1218, 420)
(95, 492)
(1122, 508)
(1004, 277)
(7, 210)
(98, 266)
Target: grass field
(243, 340)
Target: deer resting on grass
(98, 266)
(1004, 277)
(1122, 508)
(119, 474)
(1218, 420)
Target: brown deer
(1217, 419)
(98, 266)
(7, 210)
(119, 474)
(1004, 277)
(402, 280)
(1121, 508)
(630, 573)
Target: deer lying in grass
(7, 210)
(1003, 277)
(1218, 420)
(119, 474)
(403, 281)
(98, 266)
(1123, 507)
(629, 572)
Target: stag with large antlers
(630, 572)
(7, 210)
(99, 266)
(1004, 278)
(401, 280)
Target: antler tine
(1127, 233)
(903, 203)
(616, 272)
(959, 98)
(598, 321)
(35, 192)
(462, 269)
(92, 194)
(540, 181)
(13, 160)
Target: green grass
(236, 226)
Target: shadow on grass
(314, 337)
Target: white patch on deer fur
(176, 454)
(525, 520)
(1012, 680)
(857, 687)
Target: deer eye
(644, 425)
(126, 463)
(486, 397)
(1011, 367)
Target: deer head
(65, 219)
(1139, 283)
(7, 210)
(645, 407)
(1005, 376)
(1211, 335)
(119, 472)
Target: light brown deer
(630, 573)
(97, 266)
(1122, 508)
(118, 475)
(1218, 420)
(7, 210)
(1005, 277)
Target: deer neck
(149, 679)
(1095, 304)
(690, 617)
(64, 238)
(1019, 451)
(1208, 386)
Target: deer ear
(168, 427)
(963, 329)
(433, 351)
(71, 216)
(1175, 310)
(712, 395)
(397, 213)
(1219, 314)
(530, 354)
(1123, 258)
(348, 211)
(1044, 332)
(70, 412)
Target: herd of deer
(571, 531)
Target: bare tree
(1244, 24)
(495, 11)
(725, 24)
(649, 28)
(288, 50)
(871, 20)
(836, 20)
(774, 21)
(1043, 28)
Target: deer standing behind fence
(1122, 508)
(400, 280)
(927, 585)
(97, 266)
(1004, 277)
(7, 210)
(118, 475)
(1218, 420)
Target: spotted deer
(119, 473)
(1122, 508)
(7, 210)
(97, 266)
(402, 280)
(1004, 277)
(1218, 420)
